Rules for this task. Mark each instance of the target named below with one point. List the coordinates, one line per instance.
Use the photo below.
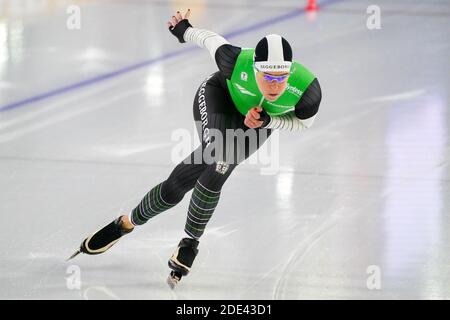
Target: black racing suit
(215, 111)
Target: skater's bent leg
(168, 193)
(183, 177)
(205, 198)
(206, 192)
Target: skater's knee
(216, 174)
(174, 189)
(178, 184)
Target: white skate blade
(74, 255)
(172, 281)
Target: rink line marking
(125, 151)
(88, 93)
(331, 221)
(93, 80)
(301, 250)
(155, 166)
(146, 63)
(60, 117)
(398, 96)
(261, 278)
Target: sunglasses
(279, 79)
(270, 78)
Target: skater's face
(272, 84)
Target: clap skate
(182, 260)
(103, 239)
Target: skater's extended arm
(300, 119)
(223, 53)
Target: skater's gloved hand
(256, 117)
(178, 25)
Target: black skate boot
(103, 239)
(182, 260)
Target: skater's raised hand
(252, 119)
(177, 18)
(179, 24)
